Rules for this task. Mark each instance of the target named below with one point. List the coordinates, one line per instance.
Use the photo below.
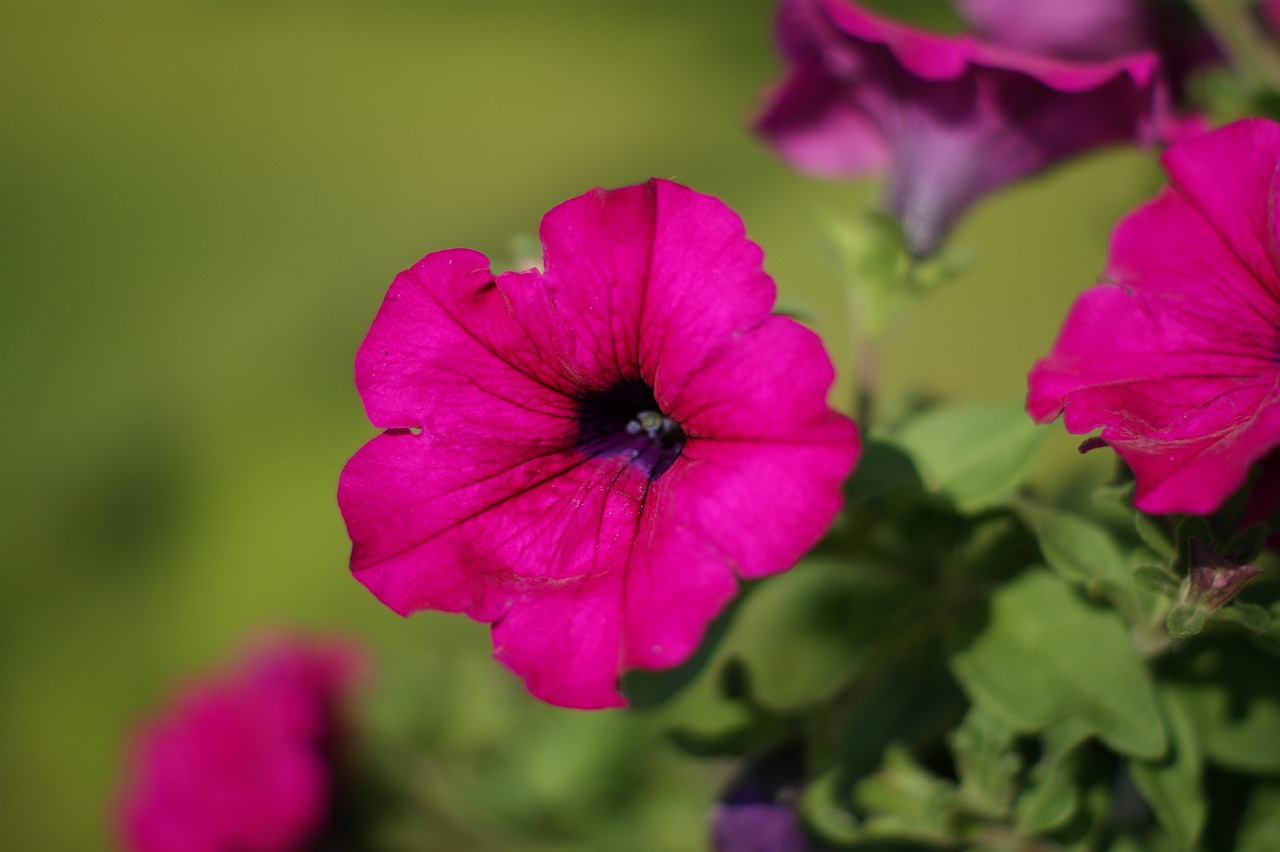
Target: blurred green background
(202, 206)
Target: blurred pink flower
(1271, 15)
(1068, 29)
(1177, 356)
(947, 119)
(590, 456)
(242, 761)
(1091, 30)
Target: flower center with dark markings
(625, 420)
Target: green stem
(1253, 56)
(868, 366)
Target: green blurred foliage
(202, 204)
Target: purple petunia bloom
(1270, 10)
(590, 456)
(242, 761)
(948, 120)
(758, 811)
(1177, 356)
(1091, 30)
(1069, 29)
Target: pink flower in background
(1068, 29)
(590, 456)
(948, 120)
(1177, 356)
(1271, 15)
(242, 761)
(1091, 30)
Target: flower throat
(625, 420)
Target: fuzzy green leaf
(1078, 549)
(1172, 785)
(1235, 705)
(1046, 653)
(1051, 795)
(977, 455)
(1184, 621)
(821, 807)
(1260, 827)
(1156, 579)
(1249, 616)
(986, 761)
(1154, 536)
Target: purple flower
(1216, 579)
(1068, 29)
(1091, 30)
(242, 761)
(1177, 356)
(1270, 10)
(758, 811)
(590, 456)
(947, 119)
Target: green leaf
(977, 455)
(1156, 579)
(882, 467)
(1185, 620)
(1249, 616)
(1046, 653)
(1078, 549)
(1234, 700)
(821, 808)
(1172, 785)
(911, 704)
(1051, 797)
(904, 800)
(1154, 536)
(986, 762)
(835, 617)
(1260, 827)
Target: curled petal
(947, 119)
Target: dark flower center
(625, 420)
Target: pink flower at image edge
(591, 456)
(947, 120)
(242, 761)
(1176, 357)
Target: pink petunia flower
(948, 120)
(589, 456)
(242, 761)
(1175, 356)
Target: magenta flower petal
(590, 456)
(948, 119)
(241, 762)
(1176, 359)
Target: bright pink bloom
(241, 762)
(947, 119)
(1177, 356)
(590, 456)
